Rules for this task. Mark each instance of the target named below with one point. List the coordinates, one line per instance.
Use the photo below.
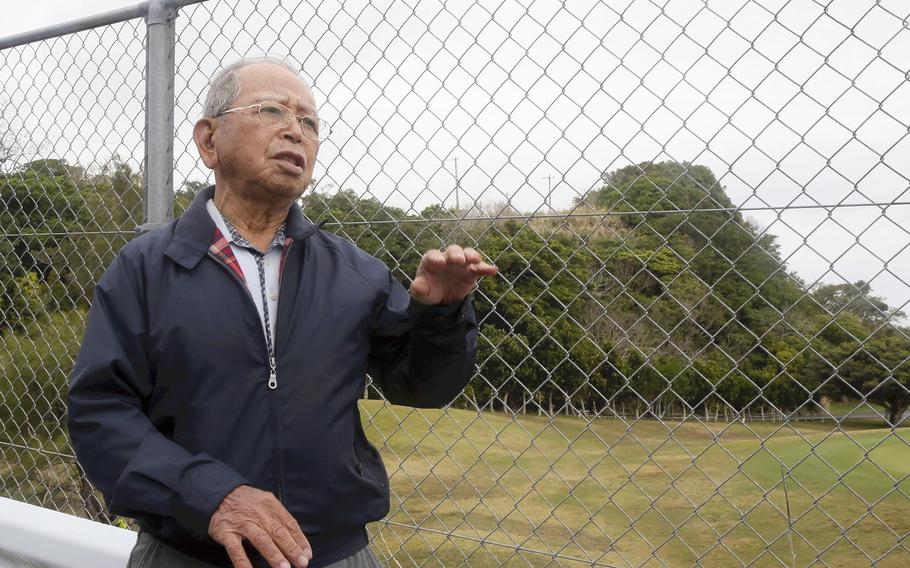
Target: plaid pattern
(221, 248)
(223, 252)
(278, 240)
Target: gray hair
(225, 87)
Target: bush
(34, 366)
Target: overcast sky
(798, 102)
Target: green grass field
(488, 490)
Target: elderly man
(215, 395)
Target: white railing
(32, 537)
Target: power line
(616, 213)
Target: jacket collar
(195, 230)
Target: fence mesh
(695, 352)
(71, 129)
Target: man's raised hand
(446, 277)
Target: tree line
(655, 295)
(652, 296)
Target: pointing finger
(484, 269)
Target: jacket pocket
(368, 463)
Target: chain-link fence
(695, 353)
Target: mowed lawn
(489, 490)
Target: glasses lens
(314, 128)
(279, 116)
(273, 114)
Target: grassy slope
(636, 493)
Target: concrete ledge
(32, 537)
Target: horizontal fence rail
(696, 351)
(35, 536)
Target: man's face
(259, 160)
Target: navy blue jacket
(169, 406)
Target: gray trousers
(151, 552)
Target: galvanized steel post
(159, 116)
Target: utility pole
(457, 187)
(546, 201)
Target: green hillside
(652, 295)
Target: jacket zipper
(273, 364)
(273, 379)
(273, 368)
(273, 371)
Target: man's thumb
(420, 290)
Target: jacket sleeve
(140, 471)
(422, 356)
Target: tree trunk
(895, 412)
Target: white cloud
(782, 107)
(43, 13)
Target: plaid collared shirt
(222, 250)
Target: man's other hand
(247, 513)
(446, 277)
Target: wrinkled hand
(447, 277)
(247, 513)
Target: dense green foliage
(32, 381)
(663, 299)
(651, 306)
(61, 227)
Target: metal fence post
(159, 137)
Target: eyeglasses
(279, 116)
